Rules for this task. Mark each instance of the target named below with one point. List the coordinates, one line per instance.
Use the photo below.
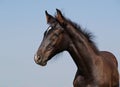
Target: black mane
(85, 32)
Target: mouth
(40, 61)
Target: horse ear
(59, 16)
(50, 19)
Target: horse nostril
(36, 58)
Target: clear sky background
(22, 24)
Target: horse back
(109, 57)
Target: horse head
(55, 40)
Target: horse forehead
(53, 29)
(48, 29)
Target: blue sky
(22, 24)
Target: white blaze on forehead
(49, 28)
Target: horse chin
(41, 62)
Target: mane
(85, 32)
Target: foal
(95, 68)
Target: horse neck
(81, 51)
(83, 65)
